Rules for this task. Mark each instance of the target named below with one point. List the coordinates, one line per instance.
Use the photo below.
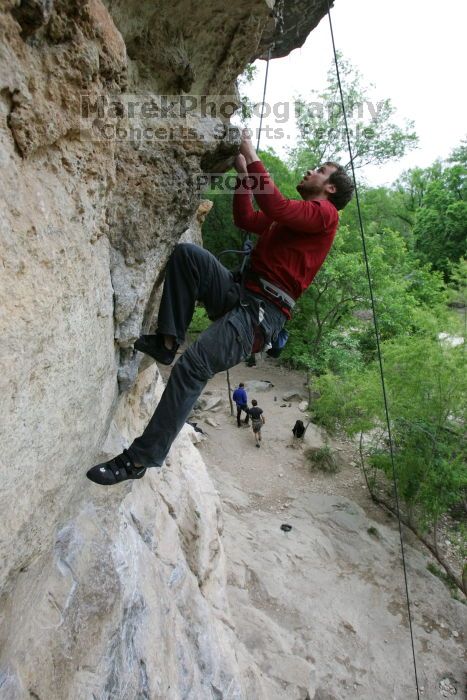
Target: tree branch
(431, 547)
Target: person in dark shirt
(257, 420)
(241, 399)
(294, 238)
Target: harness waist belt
(276, 292)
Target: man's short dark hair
(343, 184)
(241, 384)
(254, 402)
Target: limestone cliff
(113, 593)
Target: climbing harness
(269, 290)
(380, 360)
(276, 293)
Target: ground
(321, 608)
(279, 470)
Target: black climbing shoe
(153, 345)
(120, 468)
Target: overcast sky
(414, 51)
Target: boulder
(253, 385)
(209, 403)
(292, 396)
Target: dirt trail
(279, 469)
(321, 609)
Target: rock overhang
(210, 45)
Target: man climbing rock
(241, 400)
(294, 238)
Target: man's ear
(330, 189)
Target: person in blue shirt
(241, 399)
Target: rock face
(130, 600)
(116, 594)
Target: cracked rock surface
(119, 593)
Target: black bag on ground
(298, 429)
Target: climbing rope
(375, 320)
(247, 242)
(380, 360)
(264, 98)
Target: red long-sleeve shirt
(294, 236)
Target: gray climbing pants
(193, 274)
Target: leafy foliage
(459, 154)
(440, 228)
(332, 325)
(246, 105)
(322, 459)
(415, 240)
(458, 285)
(436, 199)
(200, 321)
(380, 207)
(321, 125)
(425, 384)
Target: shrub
(322, 459)
(200, 321)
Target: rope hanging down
(375, 320)
(263, 100)
(380, 360)
(247, 243)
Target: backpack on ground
(299, 429)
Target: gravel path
(321, 608)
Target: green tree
(332, 321)
(459, 154)
(246, 105)
(321, 126)
(380, 207)
(433, 201)
(440, 228)
(426, 384)
(413, 184)
(458, 289)
(219, 231)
